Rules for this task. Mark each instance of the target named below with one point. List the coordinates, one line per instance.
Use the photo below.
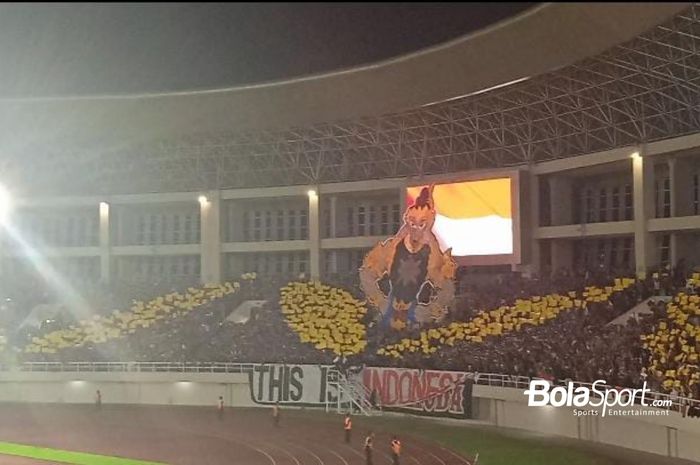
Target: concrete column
(104, 243)
(333, 213)
(535, 255)
(643, 198)
(561, 193)
(314, 236)
(210, 233)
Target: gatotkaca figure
(407, 277)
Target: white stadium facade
(593, 108)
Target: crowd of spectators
(578, 344)
(673, 344)
(201, 335)
(173, 339)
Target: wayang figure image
(407, 277)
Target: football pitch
(167, 435)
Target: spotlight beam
(5, 205)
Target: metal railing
(351, 394)
(127, 367)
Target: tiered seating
(674, 344)
(536, 310)
(265, 338)
(328, 317)
(560, 334)
(102, 329)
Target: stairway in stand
(352, 395)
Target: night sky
(88, 49)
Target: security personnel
(276, 414)
(347, 426)
(220, 408)
(369, 440)
(395, 450)
(98, 400)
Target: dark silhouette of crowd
(579, 345)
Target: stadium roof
(556, 81)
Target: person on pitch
(220, 408)
(347, 426)
(395, 450)
(276, 414)
(369, 445)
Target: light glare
(5, 204)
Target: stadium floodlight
(5, 204)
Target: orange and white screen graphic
(472, 217)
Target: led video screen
(474, 218)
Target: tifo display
(408, 277)
(553, 333)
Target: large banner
(422, 392)
(407, 277)
(297, 385)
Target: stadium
(486, 249)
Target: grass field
(500, 446)
(64, 456)
(494, 448)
